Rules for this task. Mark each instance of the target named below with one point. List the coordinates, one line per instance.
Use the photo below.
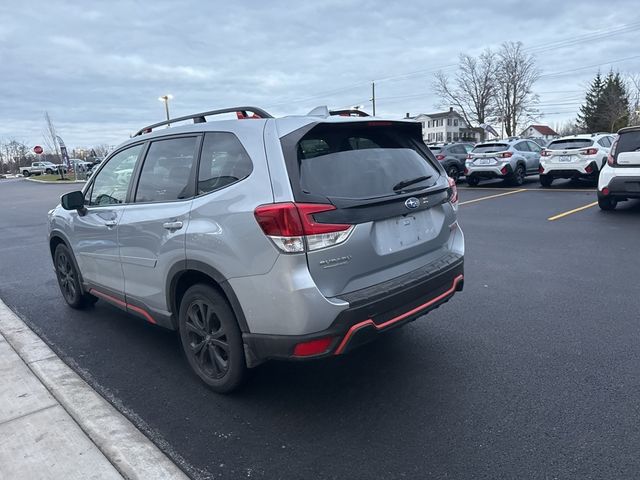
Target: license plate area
(399, 233)
(566, 158)
(485, 161)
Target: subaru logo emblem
(412, 203)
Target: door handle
(172, 225)
(110, 223)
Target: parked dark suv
(452, 157)
(258, 238)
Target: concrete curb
(61, 182)
(129, 451)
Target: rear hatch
(488, 154)
(567, 150)
(380, 178)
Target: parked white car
(575, 156)
(620, 178)
(38, 168)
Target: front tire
(546, 180)
(607, 203)
(211, 339)
(48, 171)
(26, 173)
(69, 279)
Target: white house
(447, 126)
(539, 131)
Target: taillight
(540, 169)
(292, 228)
(469, 156)
(312, 347)
(545, 153)
(440, 157)
(611, 161)
(588, 169)
(504, 170)
(588, 151)
(506, 155)
(453, 191)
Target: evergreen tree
(587, 118)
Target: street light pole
(165, 99)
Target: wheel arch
(58, 238)
(190, 272)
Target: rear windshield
(490, 148)
(628, 142)
(361, 162)
(435, 150)
(570, 144)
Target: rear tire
(607, 203)
(546, 180)
(454, 173)
(48, 171)
(211, 339)
(69, 279)
(26, 173)
(517, 178)
(473, 181)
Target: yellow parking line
(492, 196)
(575, 210)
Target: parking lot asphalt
(532, 372)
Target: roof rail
(241, 112)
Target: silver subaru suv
(263, 238)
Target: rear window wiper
(405, 183)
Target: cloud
(99, 71)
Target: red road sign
(38, 149)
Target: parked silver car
(259, 238)
(512, 159)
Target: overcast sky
(99, 67)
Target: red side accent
(358, 326)
(122, 304)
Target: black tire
(454, 173)
(26, 173)
(546, 180)
(518, 176)
(607, 203)
(211, 339)
(69, 279)
(473, 181)
(48, 171)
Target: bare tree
(568, 127)
(516, 74)
(633, 89)
(472, 90)
(101, 150)
(50, 136)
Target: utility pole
(373, 97)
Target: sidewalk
(53, 425)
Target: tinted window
(570, 144)
(166, 170)
(435, 150)
(628, 142)
(224, 161)
(522, 147)
(110, 185)
(534, 147)
(381, 158)
(490, 148)
(459, 149)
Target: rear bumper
(371, 311)
(489, 172)
(624, 187)
(568, 170)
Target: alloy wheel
(208, 344)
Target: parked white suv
(576, 156)
(620, 177)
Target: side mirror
(73, 201)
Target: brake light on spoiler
(292, 228)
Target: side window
(534, 147)
(225, 161)
(110, 185)
(166, 171)
(605, 142)
(522, 147)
